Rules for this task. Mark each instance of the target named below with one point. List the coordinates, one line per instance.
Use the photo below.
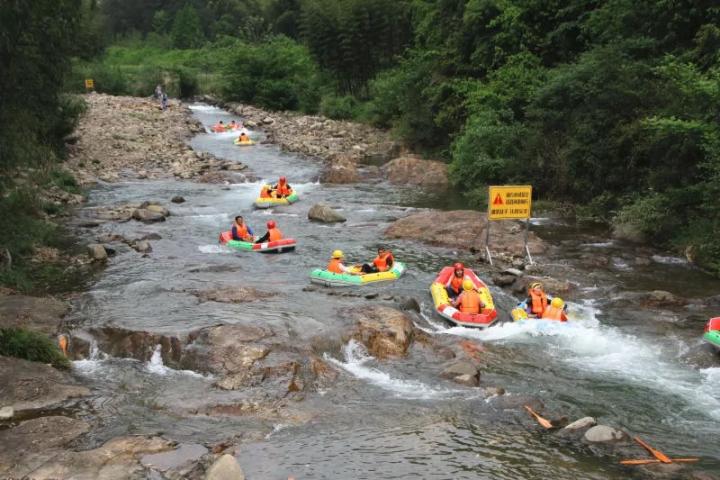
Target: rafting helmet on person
(271, 224)
(338, 254)
(557, 302)
(468, 284)
(458, 267)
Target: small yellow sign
(89, 83)
(509, 202)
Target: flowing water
(647, 374)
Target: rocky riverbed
(188, 356)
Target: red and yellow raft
(444, 308)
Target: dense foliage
(33, 346)
(606, 104)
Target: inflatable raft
(329, 279)
(520, 312)
(440, 297)
(276, 202)
(245, 143)
(279, 246)
(712, 332)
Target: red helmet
(271, 224)
(283, 179)
(458, 266)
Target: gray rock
(514, 272)
(6, 412)
(323, 213)
(147, 216)
(409, 304)
(177, 199)
(142, 246)
(225, 468)
(158, 209)
(97, 252)
(503, 280)
(604, 434)
(464, 373)
(268, 121)
(582, 423)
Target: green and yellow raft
(329, 279)
(276, 202)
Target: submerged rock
(147, 216)
(582, 424)
(177, 199)
(462, 372)
(142, 246)
(385, 331)
(324, 213)
(232, 295)
(225, 468)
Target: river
(628, 368)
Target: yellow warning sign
(89, 83)
(509, 202)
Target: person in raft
(241, 231)
(454, 285)
(382, 263)
(336, 266)
(282, 189)
(233, 125)
(273, 233)
(555, 311)
(469, 300)
(266, 191)
(243, 138)
(537, 300)
(219, 127)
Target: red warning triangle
(498, 200)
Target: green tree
(186, 30)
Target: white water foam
(213, 248)
(669, 260)
(203, 107)
(155, 365)
(356, 358)
(93, 362)
(598, 244)
(592, 347)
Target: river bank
(223, 352)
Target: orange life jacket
(242, 231)
(334, 265)
(265, 193)
(381, 262)
(469, 302)
(282, 189)
(275, 234)
(539, 303)
(554, 313)
(456, 283)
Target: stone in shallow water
(225, 468)
(604, 434)
(585, 422)
(179, 457)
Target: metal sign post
(509, 202)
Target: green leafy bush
(339, 108)
(33, 346)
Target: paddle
(655, 453)
(652, 460)
(544, 422)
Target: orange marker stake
(655, 453)
(63, 343)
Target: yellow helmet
(557, 302)
(338, 254)
(468, 284)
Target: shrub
(339, 108)
(33, 346)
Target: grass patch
(33, 346)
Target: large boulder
(324, 213)
(225, 468)
(604, 434)
(339, 172)
(413, 170)
(43, 314)
(147, 216)
(97, 252)
(661, 298)
(384, 331)
(464, 229)
(33, 385)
